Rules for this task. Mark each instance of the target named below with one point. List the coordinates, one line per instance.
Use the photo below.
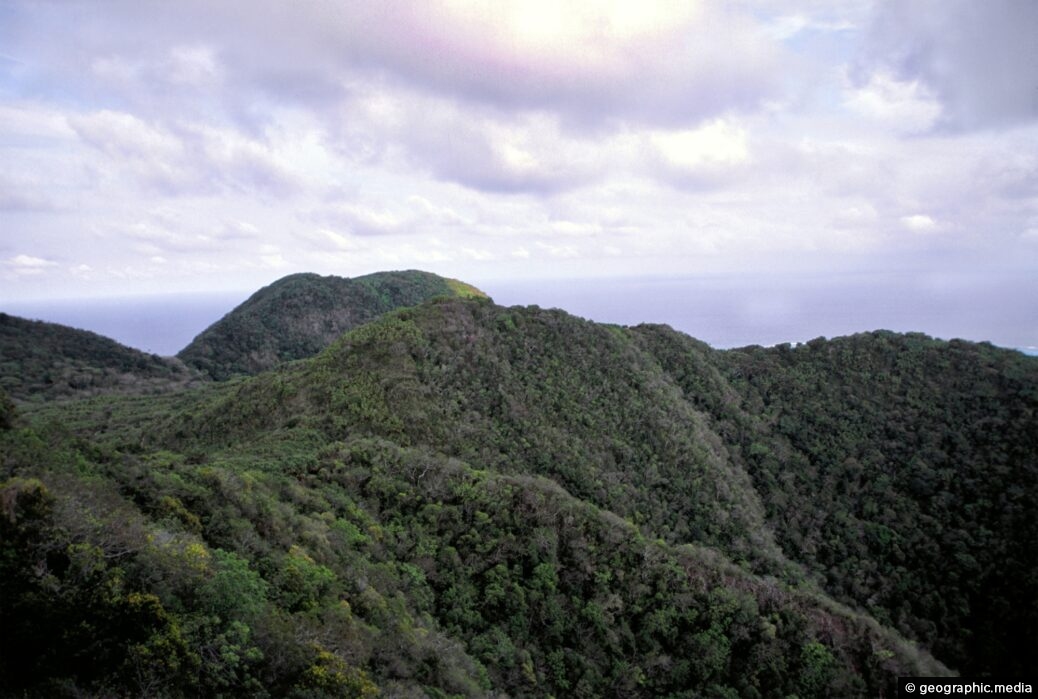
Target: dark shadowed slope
(900, 470)
(46, 361)
(301, 314)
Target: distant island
(392, 486)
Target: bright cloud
(21, 266)
(717, 143)
(30, 262)
(918, 222)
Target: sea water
(161, 325)
(736, 311)
(724, 312)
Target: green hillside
(871, 458)
(460, 499)
(899, 470)
(301, 314)
(46, 361)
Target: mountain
(461, 499)
(46, 361)
(301, 314)
(899, 470)
(867, 461)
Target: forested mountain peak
(299, 315)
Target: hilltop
(463, 499)
(47, 361)
(301, 314)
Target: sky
(153, 147)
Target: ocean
(737, 311)
(161, 325)
(724, 312)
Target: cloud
(180, 67)
(194, 65)
(270, 256)
(233, 230)
(784, 27)
(647, 61)
(709, 154)
(559, 251)
(185, 159)
(482, 149)
(490, 96)
(575, 228)
(493, 152)
(329, 240)
(28, 265)
(172, 232)
(30, 262)
(716, 143)
(430, 212)
(643, 60)
(361, 220)
(159, 237)
(480, 254)
(919, 223)
(899, 106)
(511, 137)
(147, 153)
(125, 135)
(234, 159)
(34, 121)
(978, 58)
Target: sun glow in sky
(150, 147)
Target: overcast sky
(153, 147)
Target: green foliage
(818, 667)
(45, 361)
(298, 316)
(330, 676)
(901, 470)
(464, 500)
(234, 591)
(67, 610)
(301, 582)
(8, 413)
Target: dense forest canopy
(301, 314)
(461, 499)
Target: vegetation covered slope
(677, 437)
(923, 460)
(46, 361)
(301, 314)
(463, 499)
(900, 470)
(302, 566)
